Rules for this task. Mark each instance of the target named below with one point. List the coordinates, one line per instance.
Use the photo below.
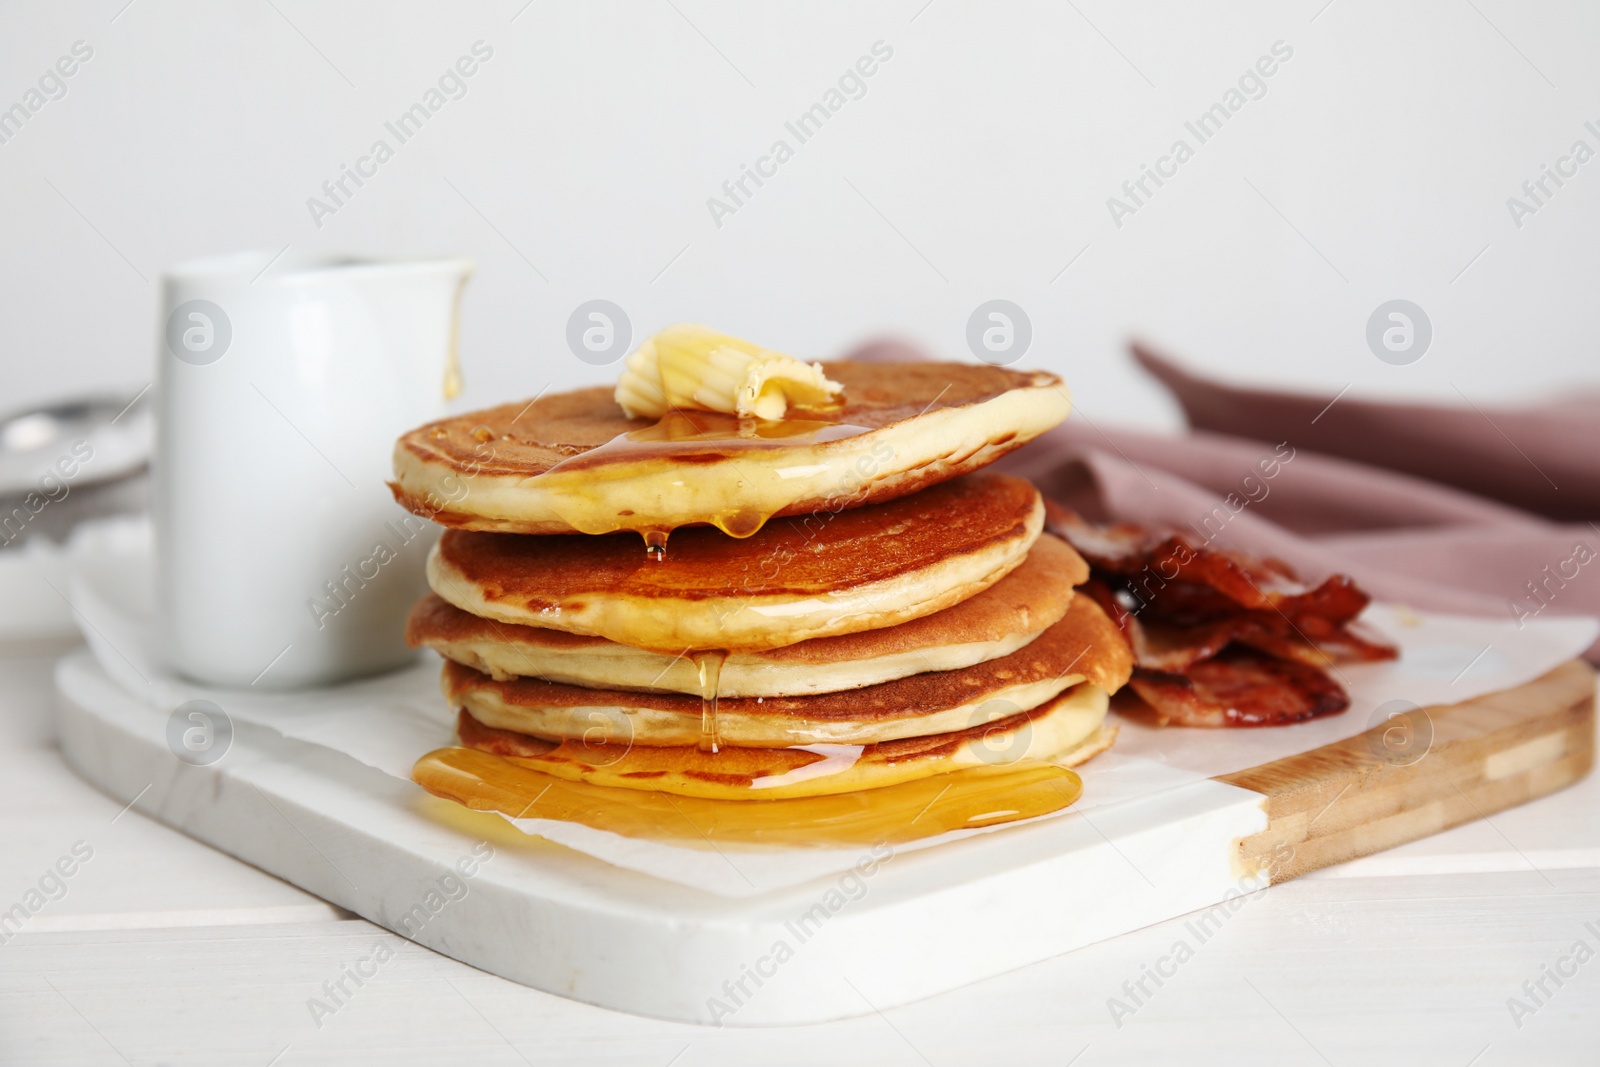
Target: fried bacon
(1220, 638)
(1198, 582)
(1239, 688)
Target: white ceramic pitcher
(282, 559)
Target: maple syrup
(709, 666)
(452, 374)
(684, 440)
(451, 386)
(964, 799)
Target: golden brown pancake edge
(1003, 618)
(483, 470)
(795, 558)
(1084, 645)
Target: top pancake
(795, 580)
(522, 468)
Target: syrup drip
(655, 544)
(709, 664)
(452, 375)
(908, 811)
(451, 386)
(683, 440)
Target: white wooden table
(163, 951)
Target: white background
(976, 166)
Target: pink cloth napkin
(1440, 508)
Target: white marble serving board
(902, 927)
(386, 722)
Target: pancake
(528, 467)
(1067, 729)
(994, 623)
(1084, 646)
(835, 573)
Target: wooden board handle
(1453, 763)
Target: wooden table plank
(1396, 970)
(140, 873)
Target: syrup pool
(961, 800)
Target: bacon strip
(1220, 638)
(1239, 688)
(1199, 581)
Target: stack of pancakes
(894, 614)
